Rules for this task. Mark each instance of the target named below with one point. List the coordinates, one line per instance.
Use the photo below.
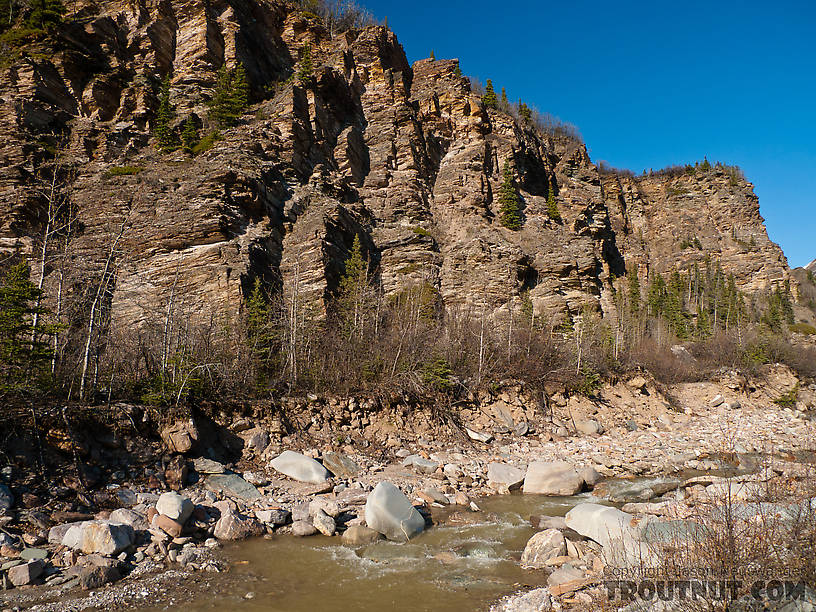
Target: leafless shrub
(739, 535)
(339, 15)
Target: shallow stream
(467, 562)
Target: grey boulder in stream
(389, 512)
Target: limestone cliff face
(669, 222)
(404, 156)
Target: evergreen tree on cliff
(164, 119)
(189, 135)
(230, 97)
(353, 285)
(305, 74)
(239, 91)
(260, 326)
(524, 112)
(23, 348)
(509, 205)
(552, 206)
(489, 99)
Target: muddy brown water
(465, 563)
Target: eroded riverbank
(471, 558)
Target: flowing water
(465, 563)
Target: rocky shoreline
(167, 531)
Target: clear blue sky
(650, 84)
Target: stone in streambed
(329, 506)
(94, 577)
(564, 575)
(32, 554)
(543, 546)
(390, 513)
(303, 528)
(360, 535)
(99, 537)
(202, 465)
(340, 465)
(167, 525)
(137, 520)
(324, 523)
(26, 573)
(232, 526)
(174, 506)
(552, 478)
(300, 467)
(420, 464)
(276, 516)
(233, 485)
(6, 499)
(506, 475)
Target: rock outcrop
(406, 157)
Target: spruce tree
(352, 289)
(21, 358)
(356, 269)
(163, 128)
(509, 205)
(219, 103)
(189, 135)
(259, 323)
(230, 96)
(489, 99)
(675, 312)
(656, 295)
(634, 290)
(433, 57)
(524, 112)
(239, 91)
(552, 206)
(305, 74)
(504, 102)
(703, 329)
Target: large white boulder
(552, 478)
(506, 475)
(619, 533)
(174, 506)
(102, 537)
(600, 523)
(300, 467)
(390, 513)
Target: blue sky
(650, 84)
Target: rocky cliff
(404, 156)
